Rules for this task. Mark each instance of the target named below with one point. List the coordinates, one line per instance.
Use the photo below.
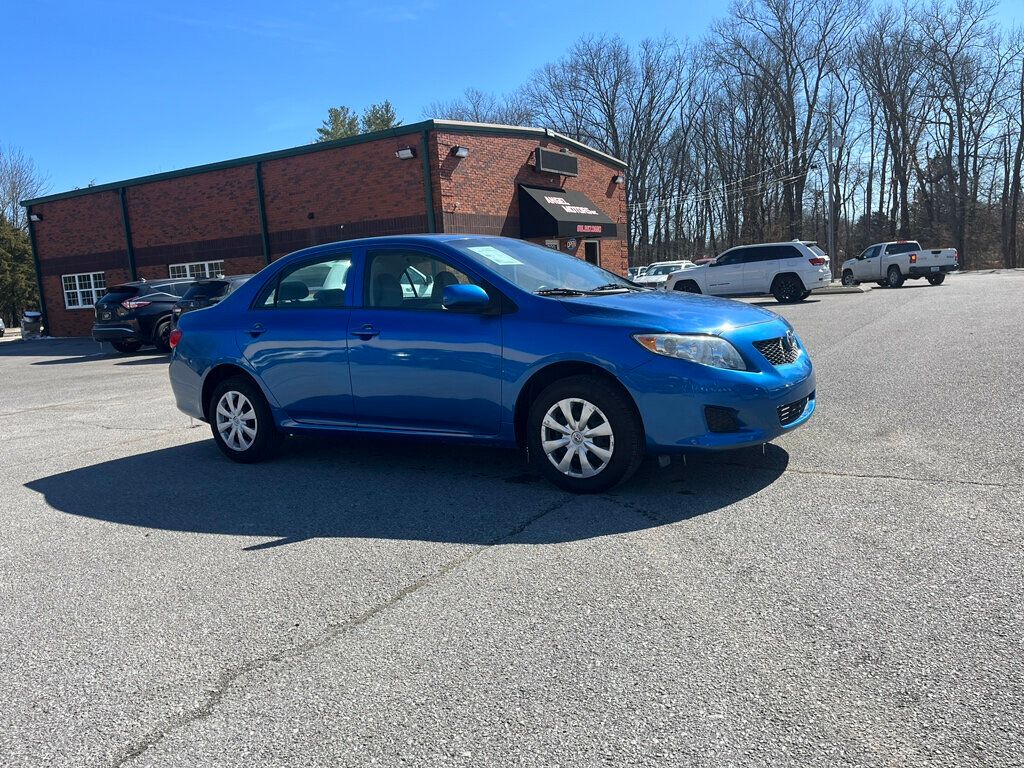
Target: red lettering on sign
(588, 228)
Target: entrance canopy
(557, 213)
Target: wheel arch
(556, 371)
(219, 373)
(780, 275)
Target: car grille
(779, 351)
(792, 411)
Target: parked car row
(789, 271)
(143, 313)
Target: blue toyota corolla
(487, 339)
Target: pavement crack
(227, 679)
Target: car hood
(670, 311)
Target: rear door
(296, 339)
(725, 274)
(416, 365)
(760, 266)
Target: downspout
(428, 187)
(39, 272)
(129, 247)
(261, 203)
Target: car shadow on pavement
(386, 489)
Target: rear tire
(894, 277)
(686, 286)
(848, 279)
(162, 336)
(788, 289)
(584, 435)
(126, 347)
(938, 279)
(242, 424)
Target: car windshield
(663, 269)
(536, 268)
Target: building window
(198, 269)
(82, 290)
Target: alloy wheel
(236, 421)
(577, 437)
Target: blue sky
(108, 90)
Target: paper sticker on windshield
(491, 253)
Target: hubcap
(577, 438)
(236, 421)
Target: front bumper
(672, 396)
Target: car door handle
(257, 330)
(366, 332)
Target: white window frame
(197, 269)
(84, 287)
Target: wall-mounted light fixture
(618, 179)
(460, 151)
(34, 217)
(406, 153)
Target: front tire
(848, 280)
(938, 279)
(584, 435)
(788, 289)
(242, 424)
(894, 277)
(686, 286)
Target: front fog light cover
(703, 350)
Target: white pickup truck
(892, 263)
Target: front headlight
(704, 350)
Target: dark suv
(206, 293)
(135, 314)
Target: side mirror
(464, 297)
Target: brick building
(236, 216)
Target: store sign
(568, 207)
(570, 244)
(590, 229)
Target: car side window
(787, 252)
(319, 284)
(905, 247)
(870, 253)
(732, 257)
(404, 278)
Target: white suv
(788, 271)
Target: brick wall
(210, 216)
(343, 193)
(79, 234)
(479, 193)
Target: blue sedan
(491, 340)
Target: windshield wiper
(560, 292)
(612, 287)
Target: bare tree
(20, 179)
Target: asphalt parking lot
(851, 596)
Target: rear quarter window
(907, 247)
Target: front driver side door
(416, 365)
(869, 268)
(725, 275)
